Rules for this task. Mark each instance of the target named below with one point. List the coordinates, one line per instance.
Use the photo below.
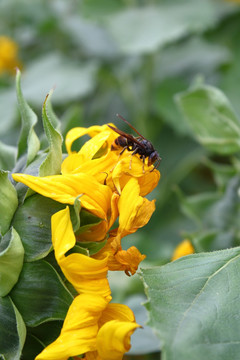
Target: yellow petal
(79, 331)
(86, 274)
(129, 259)
(183, 249)
(65, 188)
(147, 177)
(63, 237)
(77, 132)
(119, 312)
(134, 210)
(113, 339)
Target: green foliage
(28, 140)
(8, 201)
(47, 297)
(171, 67)
(11, 260)
(211, 118)
(13, 330)
(192, 305)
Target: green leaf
(193, 305)
(79, 78)
(40, 294)
(11, 260)
(147, 28)
(8, 201)
(28, 141)
(8, 155)
(32, 221)
(32, 348)
(211, 118)
(12, 330)
(52, 163)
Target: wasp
(137, 145)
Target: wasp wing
(127, 136)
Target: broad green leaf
(79, 78)
(12, 330)
(47, 332)
(211, 118)
(32, 221)
(8, 201)
(193, 305)
(8, 155)
(11, 260)
(147, 28)
(32, 348)
(40, 294)
(52, 163)
(28, 141)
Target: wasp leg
(121, 152)
(133, 153)
(143, 159)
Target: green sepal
(52, 163)
(87, 221)
(8, 155)
(40, 294)
(11, 260)
(190, 303)
(32, 221)
(8, 201)
(211, 118)
(75, 213)
(87, 248)
(92, 247)
(12, 330)
(28, 140)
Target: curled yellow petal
(86, 274)
(123, 172)
(115, 311)
(129, 259)
(183, 249)
(92, 131)
(113, 339)
(134, 210)
(80, 328)
(65, 188)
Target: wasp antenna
(122, 118)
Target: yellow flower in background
(183, 249)
(86, 274)
(8, 55)
(95, 328)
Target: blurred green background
(130, 57)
